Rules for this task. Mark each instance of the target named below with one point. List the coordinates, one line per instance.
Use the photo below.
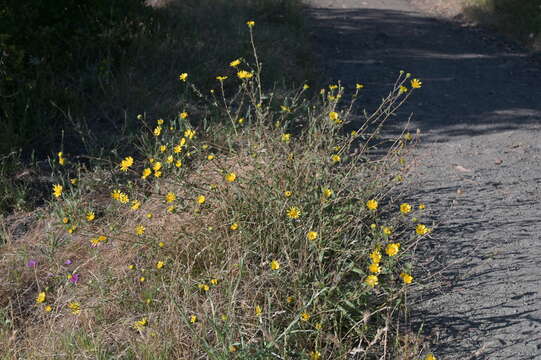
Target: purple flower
(68, 262)
(74, 278)
(32, 263)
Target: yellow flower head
(201, 199)
(315, 355)
(333, 115)
(232, 348)
(230, 177)
(286, 137)
(416, 83)
(371, 280)
(157, 131)
(139, 230)
(422, 206)
(170, 197)
(177, 149)
(305, 316)
(234, 226)
(258, 311)
(189, 133)
(327, 192)
(250, 23)
(386, 230)
(74, 181)
(374, 268)
(421, 229)
(306, 87)
(405, 208)
(234, 63)
(287, 194)
(75, 308)
(183, 115)
(159, 265)
(221, 78)
(275, 265)
(293, 212)
(375, 256)
(335, 158)
(406, 278)
(403, 89)
(41, 297)
(359, 86)
(140, 324)
(57, 190)
(183, 77)
(48, 308)
(90, 216)
(135, 204)
(157, 166)
(392, 249)
(290, 299)
(126, 163)
(430, 357)
(312, 235)
(65, 220)
(146, 173)
(243, 74)
(214, 282)
(372, 204)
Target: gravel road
(478, 165)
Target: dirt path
(479, 165)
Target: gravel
(478, 167)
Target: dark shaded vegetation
(74, 75)
(517, 18)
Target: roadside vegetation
(518, 19)
(253, 219)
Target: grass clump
(519, 19)
(270, 235)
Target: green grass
(84, 100)
(518, 19)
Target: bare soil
(478, 166)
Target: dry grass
(242, 276)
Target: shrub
(268, 235)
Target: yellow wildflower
(403, 89)
(146, 173)
(123, 198)
(333, 115)
(74, 181)
(234, 63)
(48, 308)
(41, 297)
(157, 131)
(57, 190)
(305, 316)
(374, 268)
(359, 86)
(234, 226)
(159, 265)
(416, 83)
(335, 158)
(189, 133)
(170, 197)
(250, 23)
(183, 77)
(210, 157)
(422, 206)
(387, 230)
(405, 208)
(183, 115)
(372, 204)
(142, 279)
(140, 324)
(290, 299)
(75, 308)
(371, 280)
(126, 163)
(221, 78)
(135, 204)
(178, 163)
(311, 235)
(157, 166)
(286, 137)
(406, 278)
(293, 212)
(430, 357)
(90, 216)
(315, 355)
(243, 74)
(327, 192)
(275, 265)
(201, 199)
(392, 249)
(139, 230)
(230, 177)
(65, 220)
(375, 256)
(287, 194)
(214, 282)
(177, 149)
(232, 348)
(421, 229)
(258, 311)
